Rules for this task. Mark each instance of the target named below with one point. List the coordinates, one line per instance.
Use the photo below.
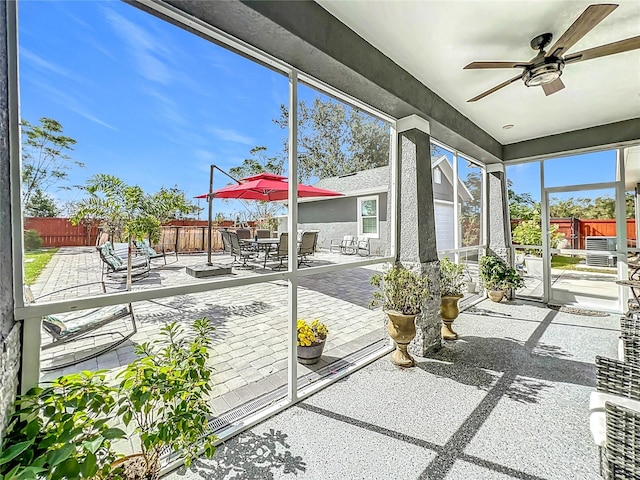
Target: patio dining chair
(226, 241)
(238, 252)
(114, 266)
(263, 233)
(281, 253)
(305, 249)
(67, 327)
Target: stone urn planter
(310, 354)
(472, 286)
(449, 311)
(495, 295)
(402, 329)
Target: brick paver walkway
(250, 344)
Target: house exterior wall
(443, 190)
(337, 217)
(10, 340)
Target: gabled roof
(352, 182)
(378, 179)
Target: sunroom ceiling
(434, 40)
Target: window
(368, 217)
(437, 176)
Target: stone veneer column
(416, 232)
(499, 238)
(10, 339)
(499, 230)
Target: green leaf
(68, 469)
(93, 445)
(89, 467)
(112, 433)
(13, 451)
(57, 456)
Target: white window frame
(360, 226)
(437, 175)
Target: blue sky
(145, 100)
(598, 167)
(156, 105)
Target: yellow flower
(308, 334)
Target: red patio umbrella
(264, 186)
(267, 187)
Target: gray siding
(443, 190)
(338, 209)
(337, 217)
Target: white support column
(31, 340)
(546, 260)
(456, 208)
(637, 214)
(292, 219)
(621, 230)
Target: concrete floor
(507, 400)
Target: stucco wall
(10, 340)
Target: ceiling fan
(546, 67)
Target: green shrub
(32, 240)
(495, 274)
(529, 232)
(62, 431)
(451, 278)
(401, 290)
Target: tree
(172, 204)
(44, 158)
(260, 162)
(127, 212)
(335, 139)
(590, 208)
(41, 204)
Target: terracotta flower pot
(496, 295)
(449, 311)
(402, 329)
(310, 354)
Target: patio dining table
(262, 244)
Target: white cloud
(71, 103)
(143, 47)
(231, 135)
(42, 64)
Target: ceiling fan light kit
(542, 74)
(546, 67)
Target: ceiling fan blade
(620, 46)
(496, 88)
(591, 17)
(553, 87)
(475, 65)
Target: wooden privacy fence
(60, 232)
(576, 230)
(188, 239)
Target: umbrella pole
(210, 200)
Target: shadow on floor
(249, 457)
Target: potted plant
(311, 339)
(497, 276)
(164, 394)
(451, 282)
(62, 431)
(402, 294)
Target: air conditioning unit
(608, 244)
